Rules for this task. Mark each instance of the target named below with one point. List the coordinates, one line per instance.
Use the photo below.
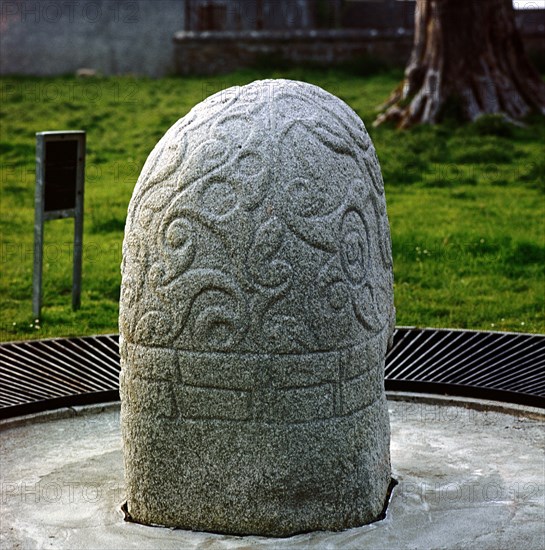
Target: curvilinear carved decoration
(257, 292)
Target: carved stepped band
(312, 386)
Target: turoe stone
(256, 309)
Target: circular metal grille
(38, 375)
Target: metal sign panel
(61, 162)
(60, 173)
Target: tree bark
(466, 53)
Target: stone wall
(47, 37)
(52, 37)
(245, 15)
(219, 52)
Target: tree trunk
(466, 53)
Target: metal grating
(502, 366)
(38, 375)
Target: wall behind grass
(116, 37)
(45, 37)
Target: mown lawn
(466, 203)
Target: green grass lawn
(466, 203)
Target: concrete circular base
(471, 474)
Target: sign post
(60, 174)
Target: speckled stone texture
(256, 309)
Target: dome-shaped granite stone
(256, 309)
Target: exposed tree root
(468, 53)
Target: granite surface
(256, 308)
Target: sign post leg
(37, 274)
(78, 225)
(38, 230)
(76, 273)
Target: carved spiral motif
(252, 228)
(354, 247)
